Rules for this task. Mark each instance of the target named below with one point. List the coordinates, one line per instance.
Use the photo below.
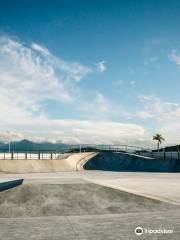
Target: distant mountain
(174, 148)
(26, 145)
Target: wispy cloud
(174, 57)
(100, 107)
(101, 66)
(102, 102)
(151, 59)
(31, 75)
(160, 110)
(77, 131)
(164, 116)
(144, 114)
(40, 49)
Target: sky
(104, 72)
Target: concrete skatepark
(105, 161)
(90, 196)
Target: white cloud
(174, 57)
(171, 132)
(39, 48)
(10, 136)
(99, 106)
(77, 131)
(165, 115)
(102, 103)
(31, 75)
(101, 66)
(161, 111)
(96, 106)
(144, 114)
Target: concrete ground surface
(78, 205)
(161, 186)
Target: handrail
(52, 154)
(101, 147)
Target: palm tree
(158, 137)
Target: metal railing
(164, 154)
(63, 152)
(32, 155)
(60, 153)
(103, 147)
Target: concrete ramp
(71, 163)
(129, 162)
(105, 161)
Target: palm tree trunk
(158, 146)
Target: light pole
(9, 146)
(9, 142)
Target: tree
(158, 137)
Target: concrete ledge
(10, 184)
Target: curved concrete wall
(92, 161)
(71, 163)
(129, 162)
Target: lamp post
(9, 142)
(9, 145)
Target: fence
(103, 147)
(163, 154)
(64, 152)
(14, 155)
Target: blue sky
(90, 71)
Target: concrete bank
(71, 163)
(104, 161)
(131, 163)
